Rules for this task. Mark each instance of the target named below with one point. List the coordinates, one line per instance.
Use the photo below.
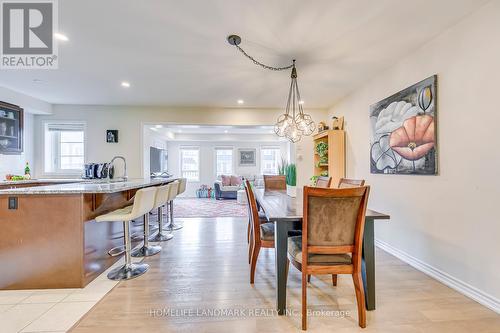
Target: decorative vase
(291, 191)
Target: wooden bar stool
(143, 203)
(161, 199)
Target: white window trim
(199, 161)
(261, 155)
(232, 158)
(44, 155)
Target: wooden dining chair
(274, 183)
(262, 219)
(332, 239)
(261, 234)
(324, 182)
(348, 183)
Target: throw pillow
(226, 180)
(236, 181)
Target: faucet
(110, 166)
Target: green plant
(322, 149)
(291, 175)
(282, 166)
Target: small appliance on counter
(96, 171)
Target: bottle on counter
(27, 171)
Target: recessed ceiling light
(61, 37)
(126, 84)
(159, 126)
(240, 101)
(301, 102)
(179, 131)
(225, 131)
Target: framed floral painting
(404, 131)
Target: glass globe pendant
(294, 123)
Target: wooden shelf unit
(336, 155)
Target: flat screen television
(157, 160)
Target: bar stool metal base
(127, 272)
(161, 237)
(173, 227)
(146, 251)
(117, 250)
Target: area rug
(202, 207)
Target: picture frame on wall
(112, 136)
(11, 129)
(247, 157)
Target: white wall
(449, 221)
(207, 159)
(129, 121)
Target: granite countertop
(41, 180)
(95, 186)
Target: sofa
(226, 187)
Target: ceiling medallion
(294, 123)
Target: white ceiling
(174, 53)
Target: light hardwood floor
(205, 267)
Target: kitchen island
(50, 238)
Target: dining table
(285, 212)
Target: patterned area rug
(201, 207)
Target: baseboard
(452, 282)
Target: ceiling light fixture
(294, 123)
(158, 126)
(126, 84)
(240, 101)
(61, 37)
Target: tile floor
(50, 310)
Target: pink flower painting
(415, 138)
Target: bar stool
(174, 189)
(147, 250)
(143, 203)
(161, 199)
(182, 189)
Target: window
(190, 163)
(269, 160)
(64, 147)
(223, 161)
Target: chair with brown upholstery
(348, 183)
(324, 182)
(332, 239)
(261, 234)
(274, 183)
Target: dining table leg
(368, 264)
(281, 247)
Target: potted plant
(282, 166)
(291, 180)
(322, 151)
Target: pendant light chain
(258, 63)
(292, 126)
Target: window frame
(215, 159)
(261, 158)
(197, 148)
(57, 171)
